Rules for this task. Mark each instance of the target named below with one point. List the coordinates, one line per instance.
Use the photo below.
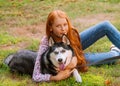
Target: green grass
(8, 39)
(24, 13)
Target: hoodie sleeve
(37, 75)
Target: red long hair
(72, 35)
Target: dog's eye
(56, 52)
(62, 51)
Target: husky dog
(55, 58)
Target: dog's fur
(22, 61)
(56, 58)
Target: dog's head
(61, 53)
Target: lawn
(22, 25)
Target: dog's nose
(60, 60)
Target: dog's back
(22, 61)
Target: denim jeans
(94, 33)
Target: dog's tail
(8, 59)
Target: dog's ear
(51, 41)
(65, 40)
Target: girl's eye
(63, 51)
(56, 52)
(58, 26)
(65, 24)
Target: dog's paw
(77, 76)
(79, 79)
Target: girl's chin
(60, 35)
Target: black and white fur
(56, 58)
(22, 61)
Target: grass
(8, 39)
(21, 14)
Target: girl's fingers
(72, 71)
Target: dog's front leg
(77, 75)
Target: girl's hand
(72, 64)
(61, 75)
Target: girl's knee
(106, 23)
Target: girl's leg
(91, 35)
(95, 57)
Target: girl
(57, 25)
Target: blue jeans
(94, 33)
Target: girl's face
(59, 26)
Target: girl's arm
(37, 75)
(61, 75)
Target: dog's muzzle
(61, 64)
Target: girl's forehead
(59, 19)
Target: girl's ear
(65, 40)
(51, 41)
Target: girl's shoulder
(44, 40)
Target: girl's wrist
(52, 78)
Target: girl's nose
(62, 28)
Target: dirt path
(90, 20)
(37, 31)
(32, 31)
